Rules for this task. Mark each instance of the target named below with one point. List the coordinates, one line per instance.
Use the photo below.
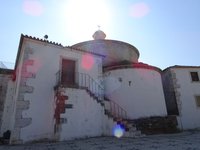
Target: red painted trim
(133, 65)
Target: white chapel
(59, 93)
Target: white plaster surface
(189, 112)
(86, 118)
(138, 91)
(47, 62)
(180, 141)
(8, 108)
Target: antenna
(46, 37)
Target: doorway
(68, 72)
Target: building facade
(182, 93)
(6, 93)
(60, 93)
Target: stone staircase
(111, 108)
(118, 114)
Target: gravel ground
(189, 140)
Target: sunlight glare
(83, 17)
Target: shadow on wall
(6, 137)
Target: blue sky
(166, 32)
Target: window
(194, 76)
(1, 89)
(197, 100)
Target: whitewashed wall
(4, 79)
(86, 118)
(139, 91)
(8, 108)
(186, 90)
(15, 133)
(6, 100)
(46, 63)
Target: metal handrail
(83, 80)
(117, 111)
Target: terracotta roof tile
(42, 40)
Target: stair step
(132, 129)
(130, 125)
(133, 134)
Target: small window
(197, 100)
(1, 88)
(194, 76)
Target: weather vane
(98, 27)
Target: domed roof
(99, 35)
(112, 50)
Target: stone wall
(157, 125)
(22, 103)
(5, 77)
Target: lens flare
(139, 10)
(118, 131)
(87, 61)
(36, 65)
(32, 7)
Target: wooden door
(68, 72)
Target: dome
(112, 50)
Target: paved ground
(182, 141)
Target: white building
(182, 92)
(136, 87)
(60, 93)
(6, 93)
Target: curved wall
(114, 51)
(138, 90)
